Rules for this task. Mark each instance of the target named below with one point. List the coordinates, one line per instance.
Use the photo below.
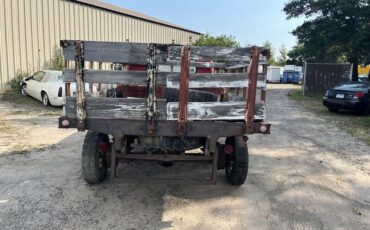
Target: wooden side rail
(114, 52)
(136, 53)
(196, 81)
(218, 80)
(114, 77)
(135, 109)
(115, 108)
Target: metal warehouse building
(30, 29)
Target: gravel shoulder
(308, 174)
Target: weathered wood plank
(114, 77)
(172, 95)
(219, 65)
(232, 110)
(223, 80)
(136, 53)
(130, 53)
(115, 108)
(135, 109)
(216, 54)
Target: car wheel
(367, 112)
(363, 110)
(45, 99)
(24, 90)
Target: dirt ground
(307, 174)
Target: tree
(297, 55)
(57, 61)
(268, 45)
(222, 40)
(283, 55)
(333, 30)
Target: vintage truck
(159, 106)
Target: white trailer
(273, 74)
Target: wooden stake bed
(162, 102)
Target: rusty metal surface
(321, 77)
(67, 89)
(184, 89)
(165, 158)
(252, 85)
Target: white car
(46, 86)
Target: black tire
(367, 111)
(24, 90)
(45, 99)
(236, 165)
(363, 111)
(94, 164)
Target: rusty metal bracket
(184, 91)
(252, 89)
(80, 86)
(151, 86)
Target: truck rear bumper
(341, 104)
(166, 128)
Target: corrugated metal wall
(29, 29)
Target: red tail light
(228, 149)
(103, 147)
(359, 95)
(60, 92)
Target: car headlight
(327, 93)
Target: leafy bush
(57, 61)
(15, 82)
(222, 40)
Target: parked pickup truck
(167, 100)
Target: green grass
(17, 98)
(26, 104)
(358, 126)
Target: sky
(251, 22)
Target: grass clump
(358, 126)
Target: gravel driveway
(307, 175)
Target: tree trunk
(355, 70)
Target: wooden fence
(321, 77)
